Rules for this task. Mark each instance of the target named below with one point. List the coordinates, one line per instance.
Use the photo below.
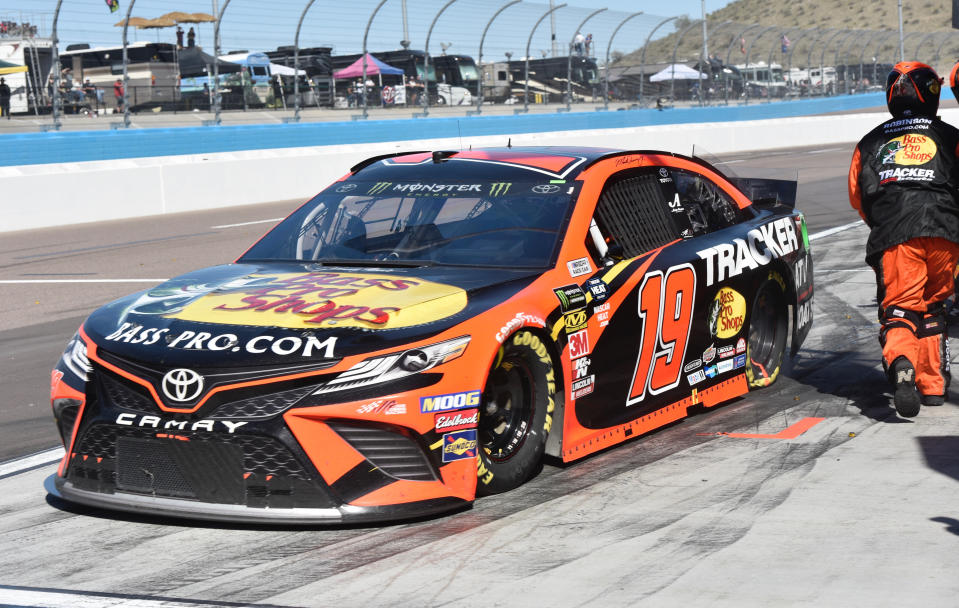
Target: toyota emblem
(182, 385)
(545, 188)
(346, 188)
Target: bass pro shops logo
(909, 149)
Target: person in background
(4, 98)
(118, 94)
(191, 38)
(179, 37)
(904, 182)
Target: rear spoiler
(768, 193)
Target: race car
(427, 328)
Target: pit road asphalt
(860, 509)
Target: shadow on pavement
(941, 454)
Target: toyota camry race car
(424, 330)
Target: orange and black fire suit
(904, 182)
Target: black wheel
(768, 327)
(516, 414)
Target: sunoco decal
(328, 299)
(457, 446)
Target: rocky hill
(851, 28)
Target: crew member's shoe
(933, 399)
(907, 397)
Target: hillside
(927, 25)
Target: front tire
(516, 414)
(768, 328)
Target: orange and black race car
(424, 330)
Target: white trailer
(28, 90)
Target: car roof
(509, 163)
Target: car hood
(254, 314)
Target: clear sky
(258, 25)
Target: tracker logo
(452, 401)
(761, 245)
(182, 385)
(906, 174)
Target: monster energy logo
(379, 187)
(499, 188)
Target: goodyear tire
(516, 414)
(768, 326)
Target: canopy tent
(181, 17)
(11, 68)
(676, 71)
(194, 62)
(373, 66)
(282, 70)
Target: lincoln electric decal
(330, 299)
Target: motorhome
(151, 71)
(27, 88)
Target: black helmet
(912, 89)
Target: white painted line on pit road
(24, 596)
(12, 467)
(248, 223)
(831, 231)
(26, 281)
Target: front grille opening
(262, 407)
(65, 422)
(392, 452)
(125, 397)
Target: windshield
(469, 72)
(514, 224)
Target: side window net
(633, 212)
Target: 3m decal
(452, 401)
(575, 321)
(445, 423)
(727, 313)
(328, 299)
(578, 344)
(666, 309)
(571, 297)
(908, 149)
(579, 267)
(460, 445)
(761, 246)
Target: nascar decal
(761, 245)
(388, 407)
(306, 346)
(666, 305)
(452, 401)
(909, 149)
(460, 445)
(727, 312)
(329, 299)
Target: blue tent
(373, 66)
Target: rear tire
(768, 328)
(516, 414)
